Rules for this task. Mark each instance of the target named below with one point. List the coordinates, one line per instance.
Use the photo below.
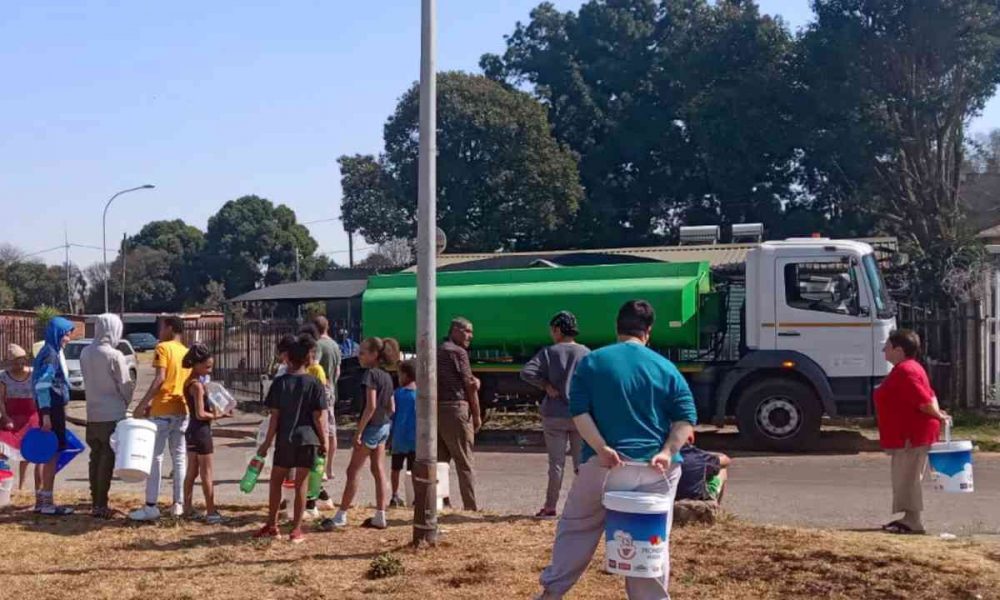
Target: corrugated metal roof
(306, 291)
(717, 255)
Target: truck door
(820, 311)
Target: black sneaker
(397, 502)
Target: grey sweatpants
(559, 432)
(582, 526)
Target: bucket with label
(133, 442)
(636, 533)
(951, 464)
(443, 485)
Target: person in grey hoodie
(109, 388)
(551, 370)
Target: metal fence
(957, 344)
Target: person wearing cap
(551, 370)
(17, 407)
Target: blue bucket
(39, 446)
(73, 448)
(636, 533)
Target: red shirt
(897, 403)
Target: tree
(890, 86)
(33, 284)
(370, 204)
(984, 153)
(7, 298)
(148, 283)
(503, 181)
(393, 255)
(184, 244)
(679, 111)
(251, 242)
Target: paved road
(845, 491)
(836, 491)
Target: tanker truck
(789, 335)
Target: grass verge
(478, 557)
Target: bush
(385, 565)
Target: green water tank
(510, 308)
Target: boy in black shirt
(297, 426)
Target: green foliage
(44, 314)
(887, 88)
(384, 566)
(6, 295)
(250, 242)
(680, 111)
(503, 181)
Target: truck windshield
(883, 305)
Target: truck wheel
(780, 414)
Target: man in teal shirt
(631, 405)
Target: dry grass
(479, 557)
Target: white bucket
(443, 491)
(951, 466)
(636, 533)
(6, 488)
(133, 442)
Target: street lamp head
(148, 186)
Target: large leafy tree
(149, 286)
(183, 244)
(678, 109)
(503, 180)
(30, 284)
(887, 89)
(251, 242)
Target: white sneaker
(311, 513)
(177, 511)
(340, 519)
(378, 521)
(146, 513)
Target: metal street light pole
(104, 238)
(425, 526)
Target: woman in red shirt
(909, 421)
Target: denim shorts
(373, 435)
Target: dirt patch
(478, 557)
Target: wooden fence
(17, 330)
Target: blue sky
(213, 100)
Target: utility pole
(425, 525)
(69, 286)
(124, 260)
(350, 249)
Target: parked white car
(72, 353)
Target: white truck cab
(817, 315)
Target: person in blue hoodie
(51, 391)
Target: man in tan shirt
(459, 418)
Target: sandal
(105, 514)
(889, 526)
(898, 528)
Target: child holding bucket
(373, 430)
(404, 427)
(909, 422)
(297, 427)
(198, 436)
